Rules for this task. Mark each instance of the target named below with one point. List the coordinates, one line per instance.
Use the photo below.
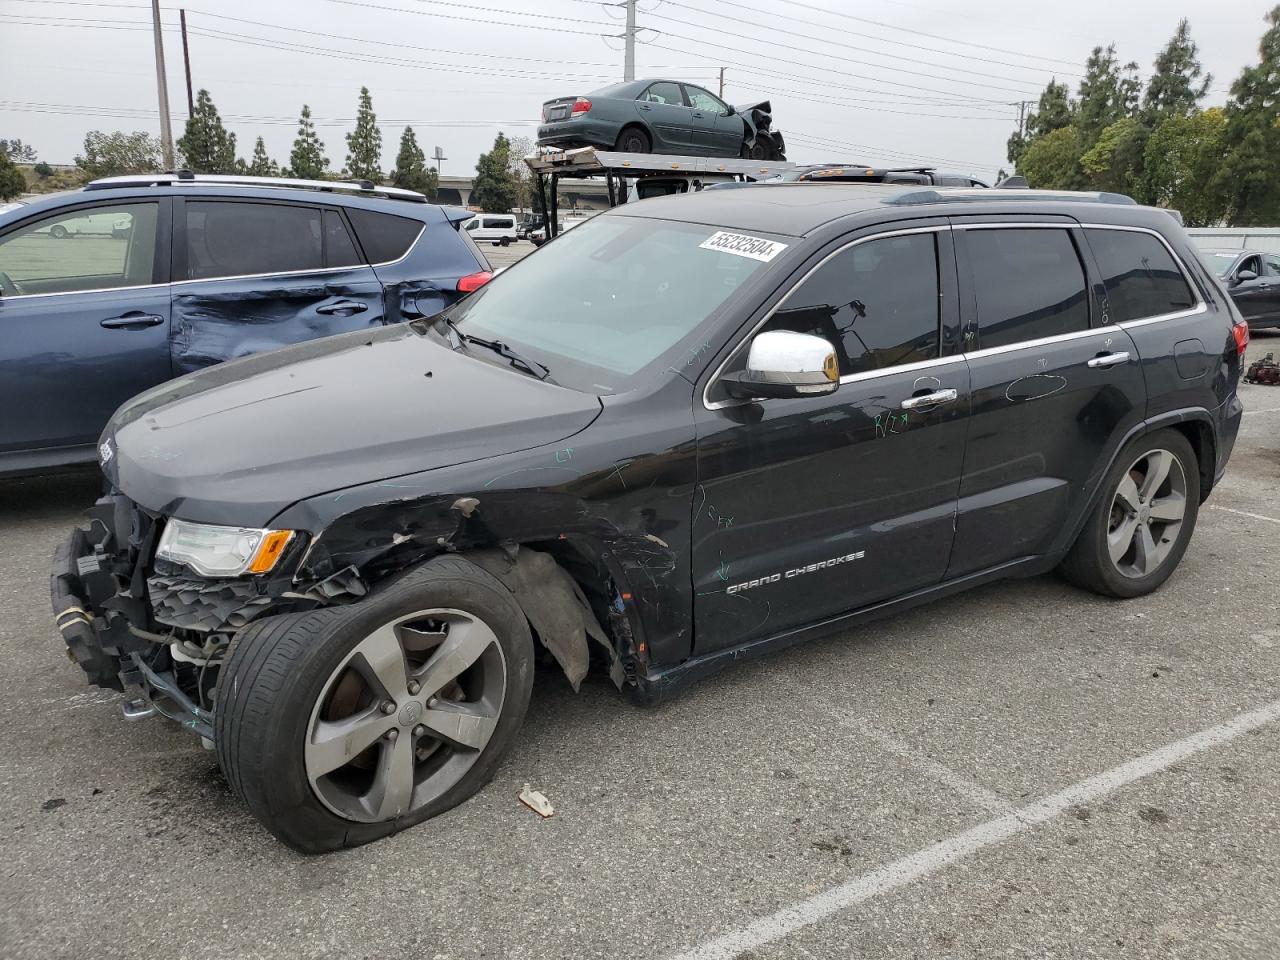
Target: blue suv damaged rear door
(255, 274)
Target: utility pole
(722, 83)
(439, 157)
(162, 90)
(629, 63)
(1022, 115)
(186, 62)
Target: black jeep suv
(691, 430)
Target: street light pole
(162, 90)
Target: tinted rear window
(1029, 284)
(1140, 275)
(384, 236)
(231, 239)
(339, 250)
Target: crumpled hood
(239, 442)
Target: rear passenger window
(1140, 275)
(1029, 284)
(384, 236)
(226, 239)
(876, 303)
(339, 250)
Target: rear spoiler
(456, 215)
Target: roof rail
(963, 194)
(176, 177)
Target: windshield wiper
(457, 338)
(541, 371)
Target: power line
(931, 36)
(774, 28)
(491, 23)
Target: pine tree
(364, 143)
(1175, 88)
(1249, 174)
(1108, 93)
(261, 165)
(411, 171)
(494, 189)
(206, 146)
(307, 160)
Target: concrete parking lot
(1023, 770)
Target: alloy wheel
(405, 715)
(1147, 513)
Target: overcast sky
(886, 81)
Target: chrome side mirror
(783, 364)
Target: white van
(497, 228)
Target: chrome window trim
(70, 293)
(1041, 342)
(709, 404)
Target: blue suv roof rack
(186, 177)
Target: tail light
(580, 106)
(474, 281)
(1240, 330)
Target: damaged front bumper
(150, 629)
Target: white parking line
(1243, 513)
(933, 858)
(1269, 410)
(974, 792)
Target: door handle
(133, 320)
(929, 399)
(644, 106)
(1109, 359)
(697, 116)
(343, 307)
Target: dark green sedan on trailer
(661, 116)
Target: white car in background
(90, 225)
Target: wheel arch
(636, 125)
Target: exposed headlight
(216, 551)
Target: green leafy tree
(1176, 86)
(364, 143)
(1108, 93)
(118, 153)
(1115, 162)
(1181, 157)
(1053, 161)
(18, 151)
(520, 148)
(206, 146)
(1054, 111)
(12, 182)
(43, 170)
(1249, 172)
(411, 171)
(307, 160)
(261, 165)
(494, 189)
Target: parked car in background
(661, 116)
(530, 221)
(1252, 277)
(496, 228)
(701, 428)
(172, 273)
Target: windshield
(613, 296)
(1219, 263)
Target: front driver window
(701, 100)
(876, 303)
(99, 248)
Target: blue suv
(110, 290)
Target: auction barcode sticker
(742, 245)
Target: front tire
(343, 725)
(58, 232)
(1140, 528)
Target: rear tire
(633, 140)
(506, 241)
(58, 232)
(1141, 525)
(302, 703)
